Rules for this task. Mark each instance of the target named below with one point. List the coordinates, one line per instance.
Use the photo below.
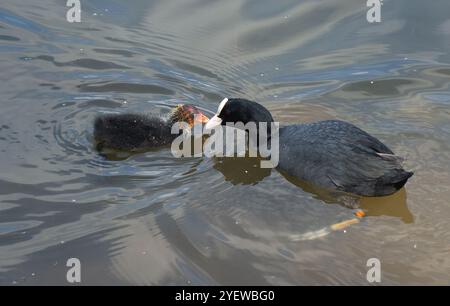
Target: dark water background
(153, 219)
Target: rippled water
(154, 219)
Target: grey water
(154, 219)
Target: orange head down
(188, 113)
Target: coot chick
(139, 132)
(332, 154)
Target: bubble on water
(371, 82)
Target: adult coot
(332, 154)
(138, 132)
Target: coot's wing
(338, 155)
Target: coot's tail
(392, 181)
(106, 129)
(99, 127)
(403, 178)
(103, 131)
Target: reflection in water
(150, 218)
(241, 170)
(393, 205)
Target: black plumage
(332, 154)
(338, 155)
(131, 132)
